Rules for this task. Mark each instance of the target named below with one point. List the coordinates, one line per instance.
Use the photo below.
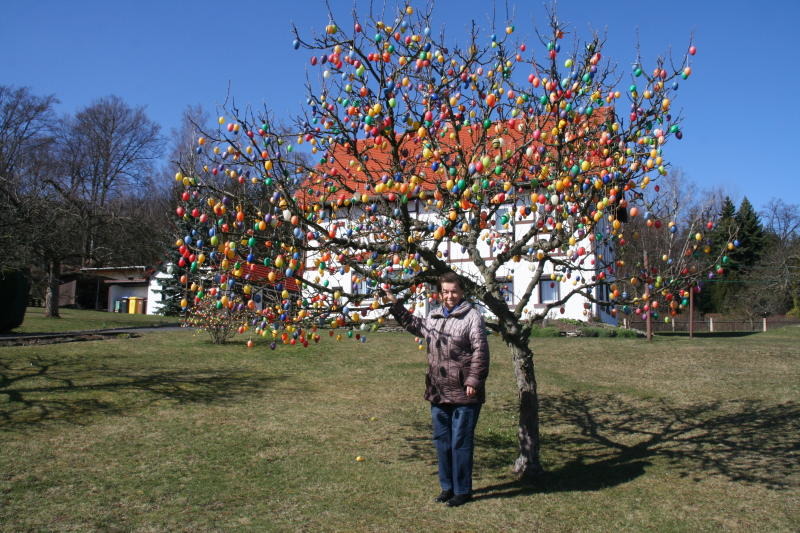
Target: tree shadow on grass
(604, 440)
(74, 391)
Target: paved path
(22, 339)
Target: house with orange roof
(353, 176)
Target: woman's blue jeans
(453, 435)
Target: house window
(364, 287)
(500, 215)
(395, 274)
(603, 295)
(507, 290)
(549, 291)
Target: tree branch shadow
(606, 440)
(742, 440)
(51, 390)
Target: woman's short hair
(450, 277)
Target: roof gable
(349, 171)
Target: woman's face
(451, 294)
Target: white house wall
(518, 274)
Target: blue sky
(739, 107)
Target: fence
(713, 324)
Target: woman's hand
(471, 391)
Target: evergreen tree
(751, 236)
(742, 227)
(745, 294)
(727, 219)
(183, 154)
(172, 291)
(173, 288)
(713, 298)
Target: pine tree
(727, 218)
(172, 291)
(717, 293)
(743, 293)
(750, 245)
(751, 236)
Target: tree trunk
(527, 464)
(51, 296)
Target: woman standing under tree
(458, 363)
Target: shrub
(538, 331)
(570, 321)
(14, 295)
(218, 320)
(591, 332)
(623, 333)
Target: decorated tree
(219, 321)
(513, 166)
(694, 252)
(221, 260)
(183, 154)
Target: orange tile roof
(349, 176)
(261, 273)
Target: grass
(79, 319)
(168, 432)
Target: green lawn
(79, 319)
(166, 432)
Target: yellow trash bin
(132, 304)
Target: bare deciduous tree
(779, 270)
(108, 151)
(78, 190)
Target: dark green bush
(591, 332)
(537, 331)
(623, 333)
(14, 288)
